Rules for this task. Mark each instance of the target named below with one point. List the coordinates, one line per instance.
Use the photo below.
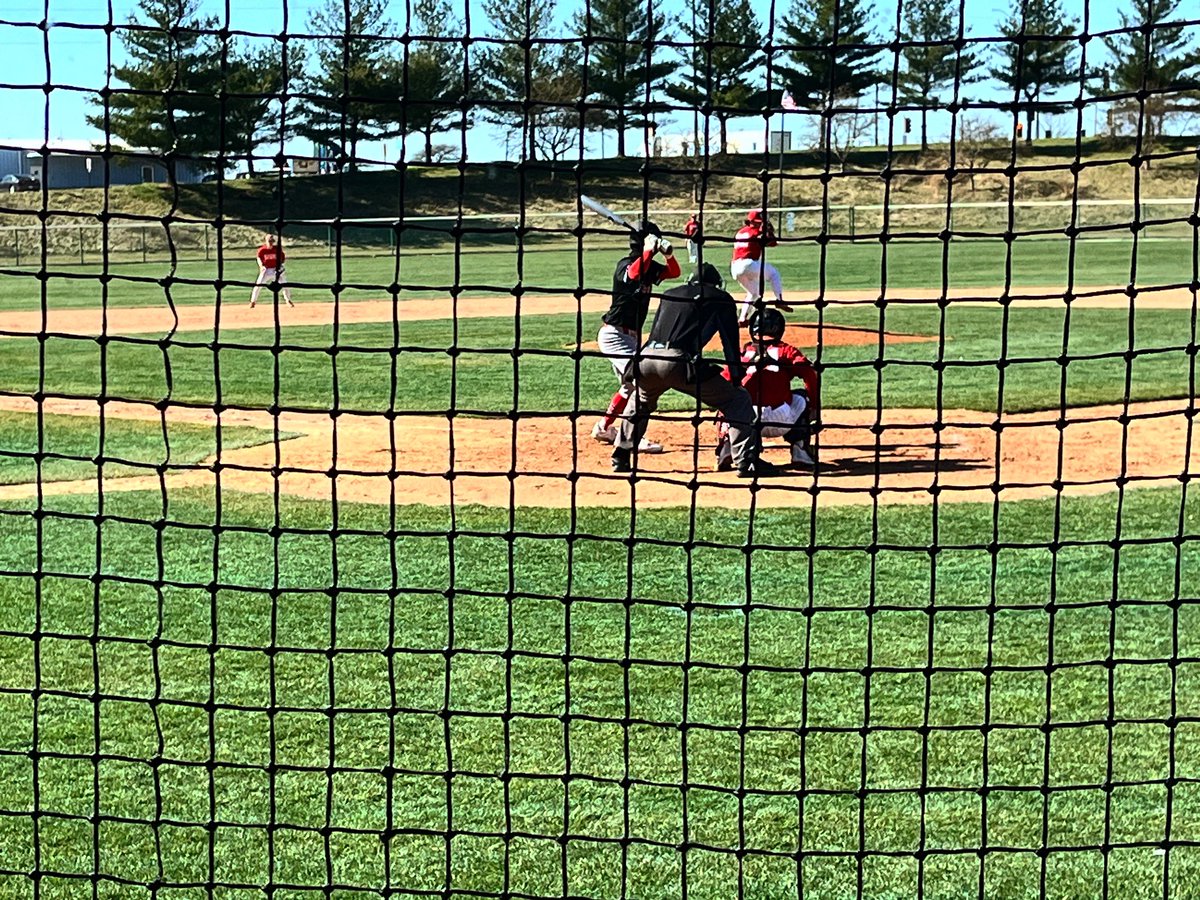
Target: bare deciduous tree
(975, 141)
(847, 130)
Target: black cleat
(724, 456)
(620, 460)
(758, 468)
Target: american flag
(788, 102)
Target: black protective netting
(321, 572)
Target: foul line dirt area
(903, 456)
(236, 316)
(892, 455)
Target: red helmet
(755, 217)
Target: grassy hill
(871, 176)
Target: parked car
(14, 183)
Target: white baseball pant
(750, 274)
(619, 346)
(778, 420)
(271, 276)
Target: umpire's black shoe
(758, 468)
(621, 460)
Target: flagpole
(785, 103)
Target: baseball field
(343, 599)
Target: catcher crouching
(770, 365)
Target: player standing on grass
(749, 267)
(692, 232)
(621, 334)
(270, 271)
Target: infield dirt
(895, 455)
(236, 316)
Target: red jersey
(769, 373)
(692, 228)
(270, 257)
(748, 243)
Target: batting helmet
(707, 274)
(768, 323)
(642, 230)
(755, 216)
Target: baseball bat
(601, 209)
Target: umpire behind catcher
(671, 359)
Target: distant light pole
(779, 137)
(876, 114)
(695, 81)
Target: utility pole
(695, 80)
(876, 114)
(779, 137)
(696, 114)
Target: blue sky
(76, 62)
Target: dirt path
(231, 316)
(547, 462)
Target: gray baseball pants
(659, 371)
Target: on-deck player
(749, 267)
(620, 336)
(270, 271)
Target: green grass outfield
(851, 702)
(242, 693)
(479, 270)
(482, 376)
(73, 446)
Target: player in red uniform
(620, 336)
(771, 363)
(270, 271)
(692, 232)
(749, 267)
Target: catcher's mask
(707, 274)
(769, 323)
(642, 230)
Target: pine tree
(170, 72)
(626, 67)
(356, 92)
(246, 95)
(725, 42)
(1038, 58)
(516, 83)
(434, 86)
(931, 59)
(1161, 61)
(818, 73)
